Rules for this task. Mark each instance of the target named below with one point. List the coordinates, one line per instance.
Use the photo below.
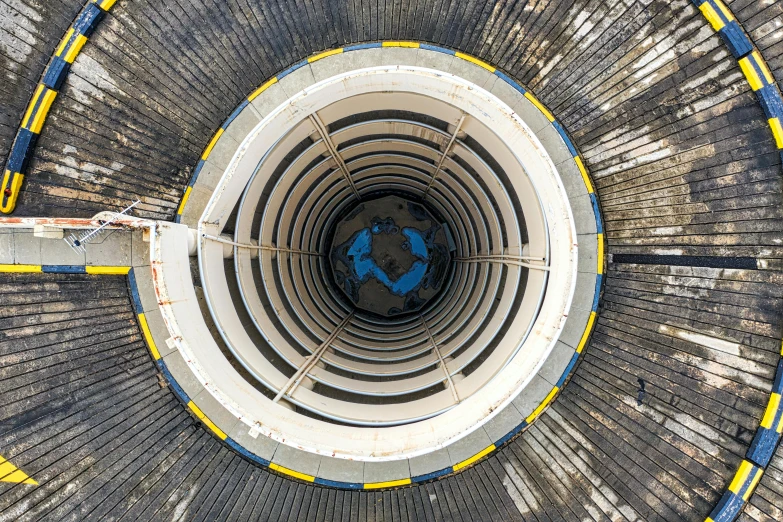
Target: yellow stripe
(205, 420)
(62, 45)
(300, 476)
(107, 270)
(20, 268)
(184, 200)
(19, 476)
(10, 473)
(43, 110)
(6, 468)
(724, 10)
(75, 48)
(467, 462)
(388, 484)
(212, 143)
(261, 89)
(476, 61)
(28, 115)
(757, 473)
(412, 45)
(583, 172)
(777, 131)
(324, 55)
(779, 427)
(145, 329)
(742, 475)
(530, 418)
(15, 186)
(105, 4)
(772, 410)
(600, 253)
(781, 348)
(586, 334)
(750, 73)
(541, 108)
(712, 16)
(763, 66)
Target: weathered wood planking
(31, 32)
(154, 83)
(683, 164)
(82, 411)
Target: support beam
(443, 156)
(435, 349)
(319, 126)
(311, 360)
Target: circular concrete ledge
(317, 465)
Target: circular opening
(404, 258)
(390, 256)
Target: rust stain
(74, 222)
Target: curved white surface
(534, 169)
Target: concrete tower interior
(391, 260)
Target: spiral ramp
(652, 394)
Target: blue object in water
(360, 262)
(356, 255)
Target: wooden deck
(683, 161)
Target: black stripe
(745, 263)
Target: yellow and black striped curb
(45, 93)
(763, 85)
(67, 269)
